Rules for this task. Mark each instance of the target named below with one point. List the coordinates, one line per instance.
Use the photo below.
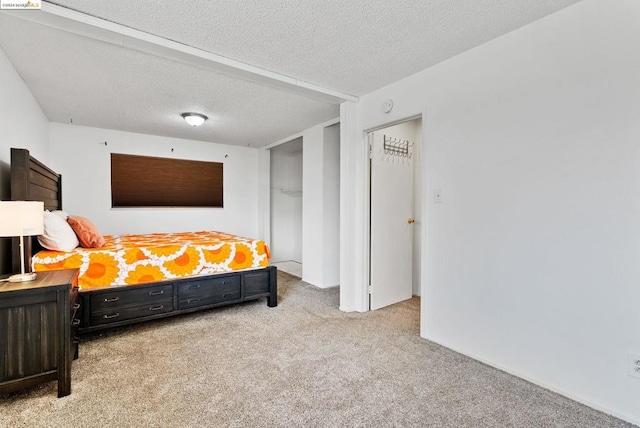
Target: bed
(136, 278)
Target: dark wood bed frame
(108, 307)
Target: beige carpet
(302, 364)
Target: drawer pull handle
(76, 306)
(190, 301)
(194, 287)
(156, 293)
(109, 317)
(156, 308)
(76, 322)
(227, 295)
(113, 299)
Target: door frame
(367, 206)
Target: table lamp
(21, 218)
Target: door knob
(411, 220)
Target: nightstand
(37, 331)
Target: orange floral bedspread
(137, 259)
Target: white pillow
(62, 214)
(58, 235)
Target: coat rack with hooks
(397, 147)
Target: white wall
(286, 204)
(23, 125)
(84, 163)
(531, 262)
(331, 205)
(320, 217)
(353, 211)
(312, 233)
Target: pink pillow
(88, 234)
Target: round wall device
(387, 106)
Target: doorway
(395, 223)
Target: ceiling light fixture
(194, 119)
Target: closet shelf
(288, 192)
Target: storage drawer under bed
(127, 303)
(115, 306)
(208, 291)
(127, 313)
(131, 296)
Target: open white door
(391, 222)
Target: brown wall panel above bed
(145, 181)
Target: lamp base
(22, 277)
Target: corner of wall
(24, 125)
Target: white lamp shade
(21, 218)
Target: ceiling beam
(299, 134)
(99, 29)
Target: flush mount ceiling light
(194, 119)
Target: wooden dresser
(38, 320)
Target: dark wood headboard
(31, 180)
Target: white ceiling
(348, 48)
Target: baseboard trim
(550, 387)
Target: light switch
(437, 196)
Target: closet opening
(286, 207)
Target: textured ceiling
(354, 46)
(92, 83)
(351, 46)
